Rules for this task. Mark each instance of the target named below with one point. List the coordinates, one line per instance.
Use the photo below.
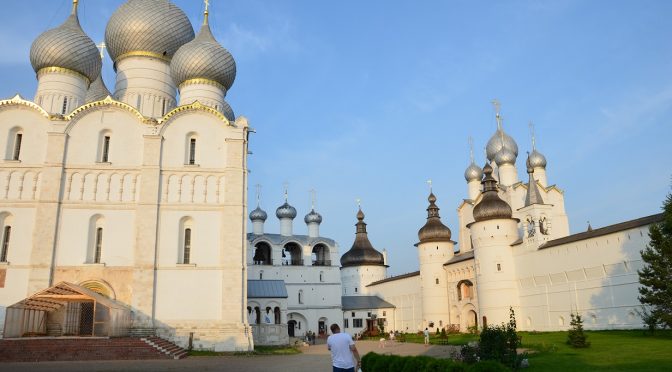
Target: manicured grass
(453, 339)
(609, 350)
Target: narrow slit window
(187, 246)
(192, 151)
(106, 149)
(99, 245)
(5, 243)
(17, 146)
(65, 105)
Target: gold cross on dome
(207, 4)
(102, 46)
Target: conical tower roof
(362, 252)
(491, 205)
(434, 230)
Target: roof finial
(258, 187)
(429, 182)
(534, 145)
(102, 47)
(471, 149)
(75, 3)
(313, 198)
(497, 105)
(286, 187)
(206, 12)
(359, 203)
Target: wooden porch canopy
(29, 316)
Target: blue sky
(369, 99)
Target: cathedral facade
(135, 194)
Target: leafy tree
(576, 338)
(656, 275)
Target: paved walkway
(314, 358)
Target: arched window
(276, 313)
(437, 280)
(465, 290)
(104, 146)
(186, 246)
(185, 240)
(14, 141)
(6, 233)
(262, 254)
(99, 245)
(96, 230)
(320, 255)
(301, 296)
(190, 146)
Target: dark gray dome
(67, 46)
(473, 173)
(258, 215)
(362, 252)
(313, 217)
(203, 58)
(285, 211)
(434, 230)
(158, 27)
(505, 156)
(499, 140)
(536, 159)
(97, 91)
(491, 205)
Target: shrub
(576, 338)
(373, 362)
(499, 343)
(487, 366)
(443, 333)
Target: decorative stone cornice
(61, 70)
(204, 82)
(196, 106)
(17, 100)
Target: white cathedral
(125, 213)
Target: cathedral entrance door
(322, 328)
(290, 327)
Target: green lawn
(609, 350)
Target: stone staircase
(166, 347)
(87, 348)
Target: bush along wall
(373, 362)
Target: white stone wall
(355, 278)
(406, 296)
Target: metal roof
(364, 302)
(627, 225)
(393, 278)
(468, 255)
(266, 289)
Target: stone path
(313, 359)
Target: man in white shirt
(343, 350)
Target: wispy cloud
(247, 41)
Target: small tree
(499, 342)
(576, 338)
(656, 275)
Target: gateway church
(125, 213)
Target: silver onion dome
(68, 47)
(97, 91)
(536, 159)
(498, 141)
(491, 205)
(258, 215)
(313, 217)
(157, 27)
(473, 173)
(203, 58)
(505, 156)
(227, 111)
(285, 211)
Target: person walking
(343, 351)
(426, 337)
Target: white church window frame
(186, 241)
(301, 299)
(64, 109)
(14, 144)
(191, 152)
(96, 240)
(6, 236)
(104, 146)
